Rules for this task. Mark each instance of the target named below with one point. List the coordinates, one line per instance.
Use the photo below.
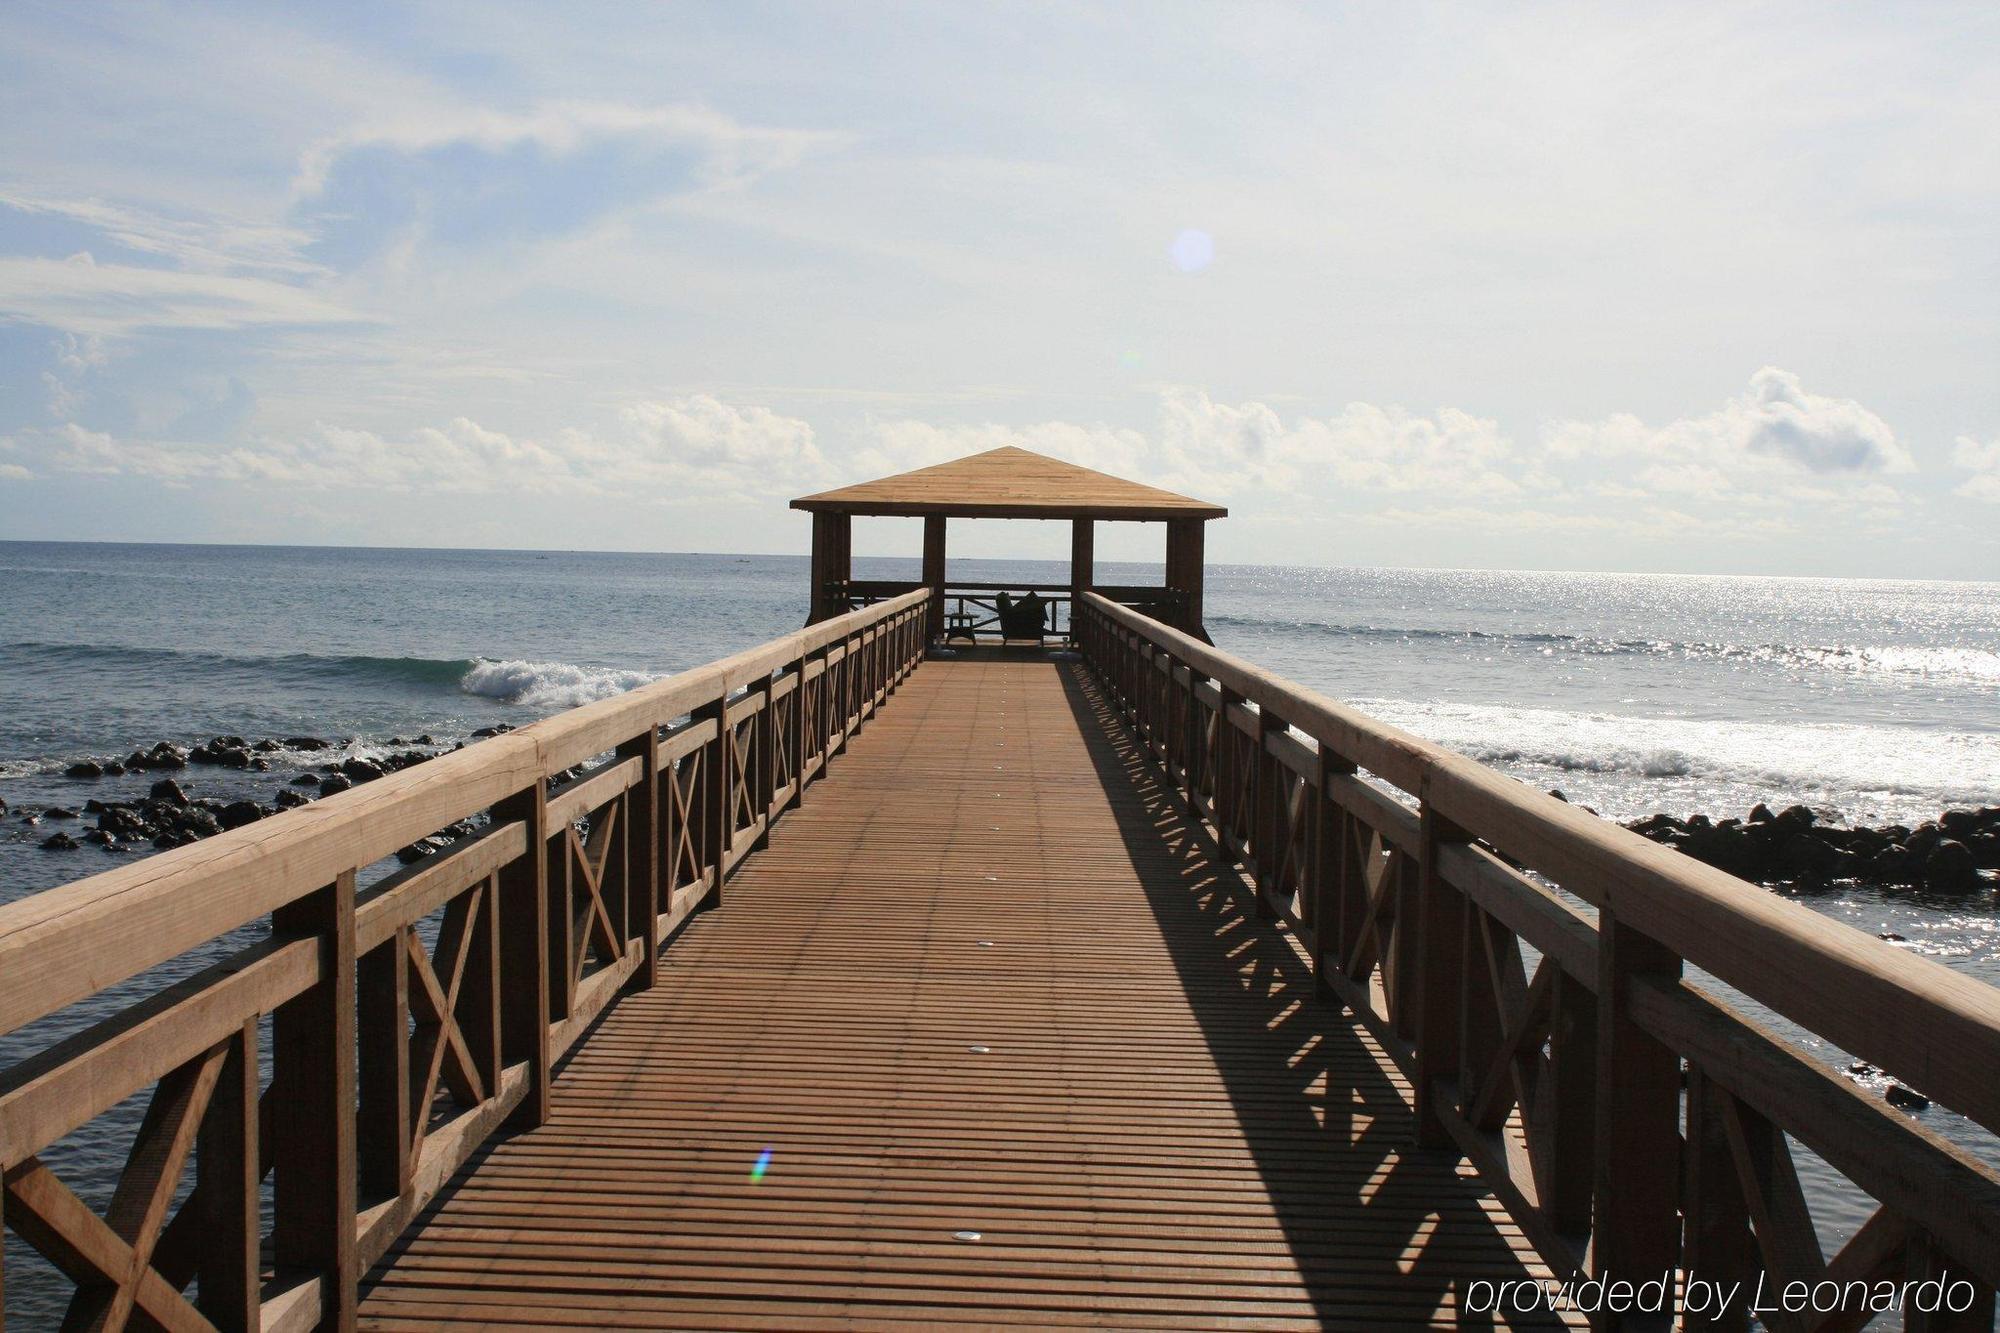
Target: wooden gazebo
(1009, 483)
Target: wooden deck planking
(1148, 1141)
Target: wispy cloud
(731, 152)
(80, 296)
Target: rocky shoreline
(168, 815)
(1955, 855)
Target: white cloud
(1983, 461)
(688, 450)
(83, 297)
(1775, 419)
(14, 472)
(732, 151)
(1214, 449)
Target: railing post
(1195, 756)
(801, 731)
(1229, 782)
(1441, 964)
(764, 736)
(1718, 1243)
(382, 1007)
(229, 1180)
(524, 948)
(1565, 1177)
(313, 1199)
(1636, 1231)
(718, 781)
(559, 924)
(1265, 837)
(1327, 870)
(638, 886)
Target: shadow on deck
(989, 981)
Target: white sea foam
(548, 685)
(1865, 772)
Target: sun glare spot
(1192, 251)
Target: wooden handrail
(1913, 1016)
(394, 1053)
(75, 940)
(1565, 1086)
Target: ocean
(1872, 701)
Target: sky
(1673, 288)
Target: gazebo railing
(972, 611)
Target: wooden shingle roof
(1009, 483)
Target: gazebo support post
(1082, 556)
(1184, 557)
(832, 565)
(934, 571)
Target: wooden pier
(860, 979)
(990, 979)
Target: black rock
(1806, 860)
(125, 822)
(1894, 865)
(424, 739)
(169, 791)
(305, 743)
(59, 812)
(268, 746)
(288, 799)
(1891, 936)
(60, 842)
(84, 768)
(3, 805)
(1908, 1099)
(1923, 839)
(334, 782)
(361, 770)
(93, 806)
(1556, 792)
(1730, 850)
(114, 769)
(198, 823)
(1985, 850)
(306, 780)
(1960, 824)
(1867, 842)
(1761, 814)
(1798, 816)
(1656, 827)
(1950, 868)
(238, 813)
(100, 838)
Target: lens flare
(763, 1165)
(1192, 251)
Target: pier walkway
(986, 980)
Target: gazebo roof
(1009, 483)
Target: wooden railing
(410, 1022)
(1632, 1121)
